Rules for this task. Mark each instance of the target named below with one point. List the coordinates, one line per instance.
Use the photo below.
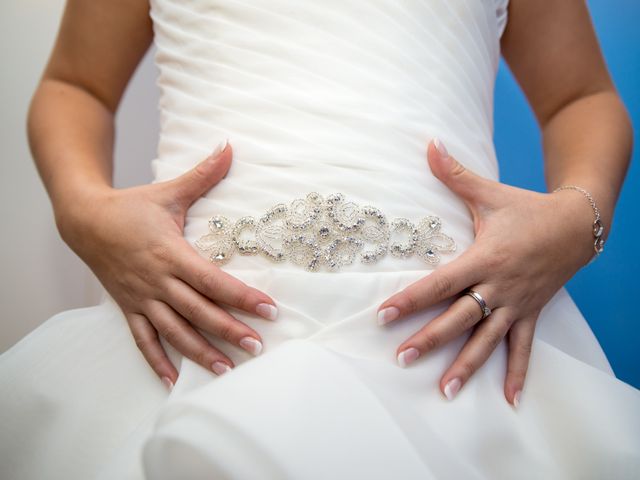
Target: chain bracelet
(598, 227)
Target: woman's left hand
(527, 246)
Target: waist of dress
(326, 233)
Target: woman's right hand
(132, 239)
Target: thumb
(459, 179)
(194, 183)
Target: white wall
(39, 274)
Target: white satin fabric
(319, 96)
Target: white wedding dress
(326, 96)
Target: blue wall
(607, 291)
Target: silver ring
(486, 311)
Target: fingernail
(407, 356)
(387, 314)
(267, 311)
(220, 367)
(251, 345)
(442, 150)
(167, 383)
(218, 150)
(516, 399)
(452, 387)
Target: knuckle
(442, 286)
(492, 339)
(410, 302)
(458, 169)
(495, 256)
(407, 303)
(225, 330)
(201, 171)
(430, 340)
(142, 344)
(171, 333)
(492, 260)
(208, 279)
(245, 298)
(466, 368)
(194, 310)
(202, 357)
(500, 257)
(524, 350)
(160, 251)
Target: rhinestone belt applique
(313, 231)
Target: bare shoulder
(552, 49)
(99, 45)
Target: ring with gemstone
(486, 311)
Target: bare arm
(553, 52)
(551, 47)
(71, 116)
(133, 238)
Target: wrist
(603, 194)
(582, 216)
(77, 209)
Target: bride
(342, 288)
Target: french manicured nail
(452, 387)
(167, 383)
(267, 311)
(387, 314)
(251, 345)
(218, 150)
(441, 148)
(220, 367)
(407, 356)
(516, 399)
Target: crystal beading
(331, 231)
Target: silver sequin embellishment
(331, 231)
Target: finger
(203, 313)
(185, 339)
(219, 286)
(480, 345)
(146, 338)
(520, 342)
(463, 314)
(442, 283)
(459, 179)
(191, 185)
